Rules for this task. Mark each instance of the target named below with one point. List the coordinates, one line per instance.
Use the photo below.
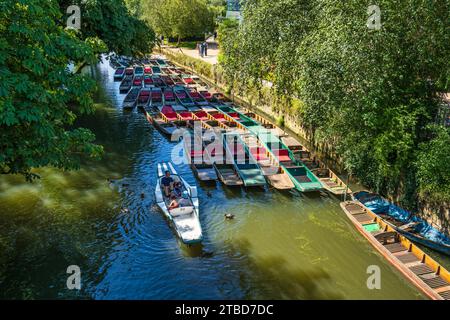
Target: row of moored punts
(254, 153)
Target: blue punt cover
(377, 204)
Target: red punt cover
(259, 153)
(234, 115)
(188, 80)
(282, 154)
(201, 115)
(171, 116)
(148, 70)
(167, 110)
(186, 115)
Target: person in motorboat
(167, 183)
(179, 203)
(177, 188)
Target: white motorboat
(185, 218)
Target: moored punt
(330, 180)
(183, 97)
(168, 114)
(269, 166)
(197, 98)
(156, 98)
(139, 71)
(130, 100)
(244, 162)
(169, 97)
(148, 81)
(411, 226)
(160, 124)
(206, 95)
(187, 79)
(129, 72)
(126, 84)
(162, 62)
(420, 269)
(215, 154)
(147, 70)
(143, 98)
(119, 74)
(185, 116)
(167, 80)
(203, 170)
(138, 81)
(156, 70)
(157, 81)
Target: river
(280, 245)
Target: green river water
(280, 245)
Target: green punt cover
(303, 179)
(251, 175)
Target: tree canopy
(369, 93)
(116, 23)
(179, 18)
(39, 96)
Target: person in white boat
(167, 183)
(180, 203)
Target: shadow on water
(276, 281)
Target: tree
(433, 167)
(370, 94)
(116, 24)
(179, 18)
(36, 90)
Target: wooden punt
(419, 268)
(156, 98)
(226, 172)
(130, 100)
(330, 180)
(143, 98)
(412, 226)
(126, 84)
(197, 97)
(196, 158)
(244, 162)
(119, 74)
(270, 167)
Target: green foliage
(116, 23)
(36, 89)
(433, 167)
(179, 18)
(371, 93)
(200, 66)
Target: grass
(185, 44)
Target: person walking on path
(199, 48)
(202, 49)
(205, 48)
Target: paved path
(212, 53)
